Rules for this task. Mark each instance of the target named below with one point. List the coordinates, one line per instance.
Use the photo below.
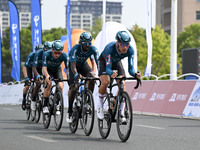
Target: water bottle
(112, 103)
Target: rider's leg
(25, 90)
(91, 82)
(71, 96)
(105, 80)
(46, 97)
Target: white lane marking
(39, 138)
(152, 127)
(8, 109)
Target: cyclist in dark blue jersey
(52, 69)
(110, 65)
(78, 56)
(37, 69)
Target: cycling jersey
(76, 54)
(112, 56)
(54, 64)
(38, 58)
(29, 60)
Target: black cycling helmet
(48, 45)
(85, 37)
(57, 45)
(123, 37)
(39, 46)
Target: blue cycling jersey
(54, 64)
(29, 60)
(38, 58)
(112, 56)
(76, 54)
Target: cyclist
(52, 68)
(27, 71)
(37, 70)
(78, 65)
(110, 65)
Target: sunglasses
(86, 43)
(124, 44)
(57, 53)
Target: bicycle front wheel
(75, 117)
(88, 112)
(104, 125)
(28, 104)
(58, 110)
(124, 117)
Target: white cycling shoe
(100, 113)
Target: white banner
(149, 37)
(192, 108)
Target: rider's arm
(131, 69)
(25, 71)
(73, 67)
(45, 72)
(35, 70)
(109, 65)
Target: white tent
(111, 29)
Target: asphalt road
(149, 133)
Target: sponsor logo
(138, 95)
(178, 97)
(14, 27)
(36, 19)
(156, 96)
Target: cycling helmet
(39, 46)
(123, 37)
(48, 45)
(85, 37)
(57, 46)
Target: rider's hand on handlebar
(47, 79)
(138, 75)
(115, 73)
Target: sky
(133, 12)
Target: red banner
(177, 98)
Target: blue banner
(69, 40)
(0, 59)
(36, 25)
(14, 40)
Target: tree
(53, 34)
(96, 28)
(190, 38)
(160, 52)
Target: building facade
(84, 12)
(188, 13)
(24, 10)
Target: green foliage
(53, 34)
(160, 52)
(96, 28)
(190, 38)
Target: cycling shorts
(83, 70)
(56, 74)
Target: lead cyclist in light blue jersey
(52, 68)
(110, 65)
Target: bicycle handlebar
(139, 82)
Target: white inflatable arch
(111, 30)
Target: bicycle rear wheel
(104, 125)
(47, 117)
(88, 112)
(58, 109)
(124, 127)
(75, 117)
